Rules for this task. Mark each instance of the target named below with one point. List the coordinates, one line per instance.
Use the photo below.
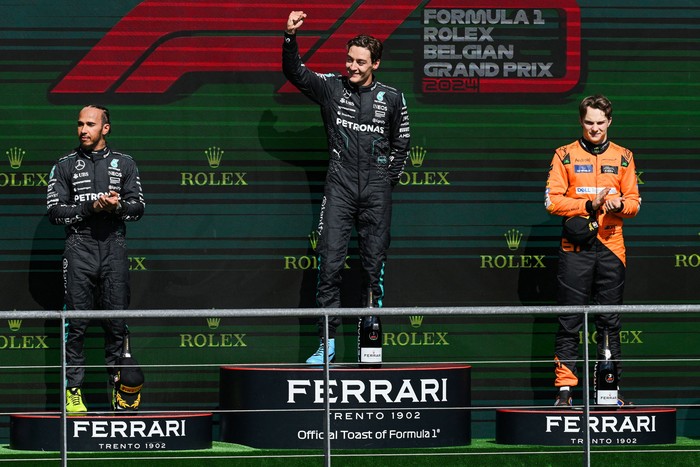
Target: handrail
(64, 315)
(386, 311)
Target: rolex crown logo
(416, 321)
(14, 324)
(313, 239)
(15, 156)
(214, 155)
(513, 237)
(417, 156)
(213, 323)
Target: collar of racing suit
(369, 87)
(95, 154)
(594, 149)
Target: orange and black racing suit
(594, 273)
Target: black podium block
(112, 432)
(564, 427)
(388, 407)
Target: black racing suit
(368, 142)
(95, 261)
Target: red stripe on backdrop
(151, 22)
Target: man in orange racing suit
(595, 178)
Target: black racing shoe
(564, 399)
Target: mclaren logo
(214, 156)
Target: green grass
(481, 452)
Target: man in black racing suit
(93, 191)
(367, 126)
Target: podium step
(394, 406)
(564, 427)
(113, 432)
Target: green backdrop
(232, 162)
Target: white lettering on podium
(129, 429)
(602, 424)
(381, 390)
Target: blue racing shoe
(317, 357)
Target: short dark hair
(105, 115)
(370, 43)
(597, 101)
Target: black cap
(580, 230)
(129, 384)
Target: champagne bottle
(369, 337)
(605, 377)
(128, 382)
(126, 347)
(126, 353)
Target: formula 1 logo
(159, 42)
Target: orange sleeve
(556, 200)
(629, 189)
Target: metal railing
(62, 316)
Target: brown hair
(370, 43)
(597, 101)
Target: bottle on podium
(369, 338)
(605, 377)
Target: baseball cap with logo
(128, 385)
(580, 230)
